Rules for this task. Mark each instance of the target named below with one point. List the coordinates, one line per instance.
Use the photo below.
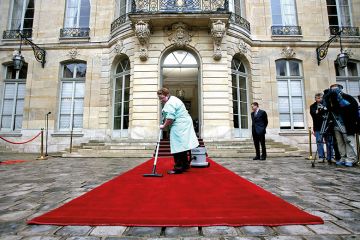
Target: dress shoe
(174, 172)
(263, 158)
(256, 158)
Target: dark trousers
(259, 139)
(181, 161)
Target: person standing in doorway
(259, 124)
(182, 134)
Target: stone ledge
(10, 134)
(66, 134)
(294, 133)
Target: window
(22, 15)
(122, 95)
(284, 13)
(13, 99)
(290, 94)
(239, 93)
(120, 8)
(238, 7)
(349, 77)
(77, 14)
(339, 13)
(72, 96)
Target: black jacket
(259, 122)
(316, 117)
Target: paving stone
(83, 238)
(328, 228)
(345, 214)
(143, 231)
(256, 230)
(181, 231)
(11, 237)
(293, 230)
(284, 238)
(73, 230)
(241, 238)
(350, 237)
(219, 231)
(41, 238)
(38, 230)
(13, 216)
(325, 216)
(323, 237)
(108, 231)
(350, 225)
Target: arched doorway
(239, 79)
(180, 73)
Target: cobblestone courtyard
(34, 187)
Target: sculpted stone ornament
(242, 47)
(119, 46)
(179, 34)
(142, 31)
(218, 30)
(349, 52)
(288, 52)
(73, 53)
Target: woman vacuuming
(182, 134)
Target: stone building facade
(105, 60)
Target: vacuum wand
(154, 174)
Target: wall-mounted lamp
(321, 52)
(39, 53)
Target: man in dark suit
(259, 124)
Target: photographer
(343, 109)
(317, 111)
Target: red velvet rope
(20, 142)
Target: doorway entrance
(180, 74)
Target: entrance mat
(200, 197)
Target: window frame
(23, 12)
(17, 81)
(242, 8)
(73, 80)
(339, 16)
(288, 78)
(282, 14)
(341, 79)
(78, 15)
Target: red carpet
(8, 162)
(201, 197)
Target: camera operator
(316, 112)
(343, 109)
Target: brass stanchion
(310, 147)
(42, 156)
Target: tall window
(284, 13)
(290, 94)
(13, 99)
(122, 95)
(238, 7)
(72, 96)
(120, 8)
(349, 77)
(22, 15)
(339, 13)
(239, 93)
(77, 14)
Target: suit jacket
(259, 122)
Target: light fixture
(321, 52)
(39, 53)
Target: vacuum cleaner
(198, 157)
(154, 174)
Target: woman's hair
(163, 91)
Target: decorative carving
(218, 30)
(142, 31)
(180, 34)
(242, 47)
(73, 53)
(288, 52)
(119, 46)
(349, 52)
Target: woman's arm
(167, 122)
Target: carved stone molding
(179, 34)
(142, 31)
(218, 29)
(243, 48)
(288, 52)
(119, 46)
(349, 52)
(73, 53)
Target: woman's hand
(162, 126)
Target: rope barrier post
(310, 147)
(42, 156)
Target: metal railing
(14, 34)
(118, 22)
(346, 31)
(242, 22)
(286, 30)
(74, 32)
(145, 6)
